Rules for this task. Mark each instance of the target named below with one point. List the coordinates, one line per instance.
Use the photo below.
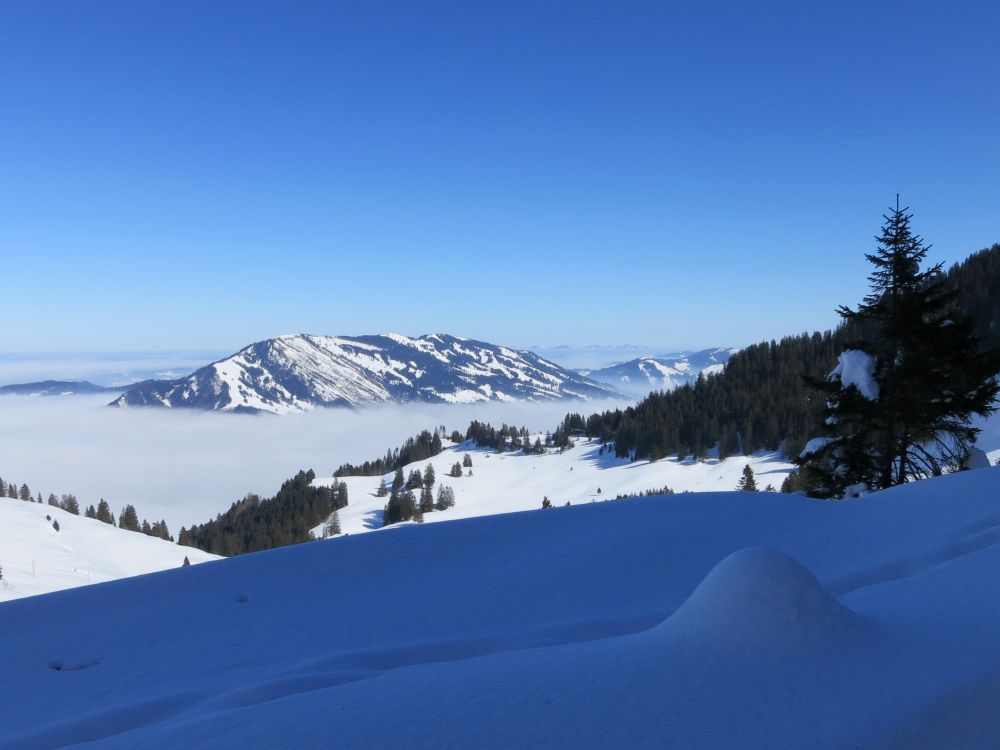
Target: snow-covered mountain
(702, 621)
(638, 377)
(54, 388)
(297, 372)
(36, 557)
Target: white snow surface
(508, 482)
(37, 559)
(857, 368)
(702, 620)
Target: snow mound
(762, 596)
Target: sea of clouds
(185, 466)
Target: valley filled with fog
(185, 466)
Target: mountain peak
(297, 372)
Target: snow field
(702, 620)
(508, 482)
(37, 559)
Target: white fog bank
(185, 466)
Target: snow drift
(578, 627)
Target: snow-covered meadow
(45, 549)
(513, 481)
(702, 620)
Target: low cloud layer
(103, 369)
(185, 466)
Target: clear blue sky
(199, 175)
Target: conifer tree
(445, 497)
(900, 403)
(104, 512)
(426, 499)
(429, 477)
(382, 490)
(69, 503)
(401, 507)
(467, 461)
(415, 481)
(747, 483)
(128, 519)
(398, 481)
(332, 526)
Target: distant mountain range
(637, 377)
(298, 372)
(55, 388)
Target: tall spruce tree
(748, 482)
(899, 404)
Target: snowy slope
(297, 372)
(689, 621)
(37, 559)
(506, 482)
(639, 376)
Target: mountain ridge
(641, 375)
(55, 388)
(297, 372)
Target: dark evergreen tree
(186, 563)
(104, 513)
(899, 404)
(748, 482)
(90, 512)
(382, 490)
(128, 519)
(426, 500)
(398, 481)
(159, 529)
(25, 493)
(415, 481)
(445, 497)
(401, 507)
(467, 461)
(332, 526)
(429, 477)
(69, 503)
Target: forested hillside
(760, 401)
(253, 524)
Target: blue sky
(199, 175)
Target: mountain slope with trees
(761, 401)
